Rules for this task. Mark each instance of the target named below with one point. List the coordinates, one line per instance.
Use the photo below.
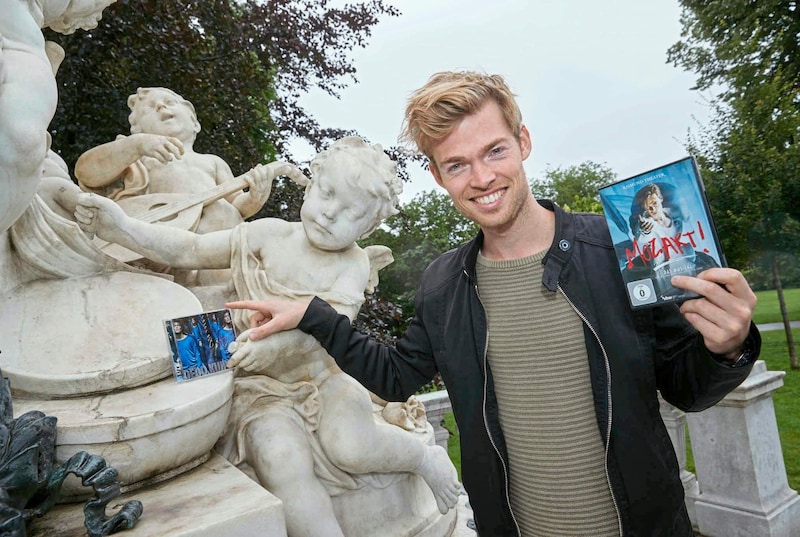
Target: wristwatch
(744, 358)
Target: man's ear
(525, 143)
(435, 172)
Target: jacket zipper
(486, 420)
(608, 399)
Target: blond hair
(434, 110)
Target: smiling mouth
(490, 198)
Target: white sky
(590, 76)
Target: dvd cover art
(661, 227)
(200, 344)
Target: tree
(575, 188)
(739, 45)
(426, 227)
(243, 64)
(749, 156)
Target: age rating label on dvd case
(642, 292)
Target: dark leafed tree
(243, 64)
(749, 53)
(575, 188)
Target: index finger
(711, 281)
(244, 305)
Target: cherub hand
(645, 225)
(98, 215)
(162, 148)
(260, 178)
(252, 356)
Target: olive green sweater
(538, 359)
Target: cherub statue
(28, 93)
(304, 426)
(157, 165)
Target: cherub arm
(163, 244)
(102, 165)
(259, 181)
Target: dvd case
(200, 344)
(661, 226)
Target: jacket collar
(561, 249)
(554, 260)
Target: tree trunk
(787, 326)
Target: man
(552, 376)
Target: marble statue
(28, 93)
(71, 343)
(305, 427)
(156, 175)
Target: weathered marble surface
(212, 500)
(156, 175)
(28, 93)
(81, 331)
(743, 488)
(96, 334)
(147, 434)
(306, 428)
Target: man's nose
(482, 175)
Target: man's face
(161, 112)
(480, 165)
(334, 214)
(177, 328)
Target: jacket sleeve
(392, 373)
(687, 374)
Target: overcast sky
(590, 76)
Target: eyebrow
(485, 149)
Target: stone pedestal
(92, 352)
(743, 486)
(214, 499)
(404, 509)
(675, 421)
(147, 434)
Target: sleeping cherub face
(334, 213)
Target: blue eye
(454, 168)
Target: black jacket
(632, 354)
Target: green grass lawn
(768, 310)
(786, 400)
(775, 353)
